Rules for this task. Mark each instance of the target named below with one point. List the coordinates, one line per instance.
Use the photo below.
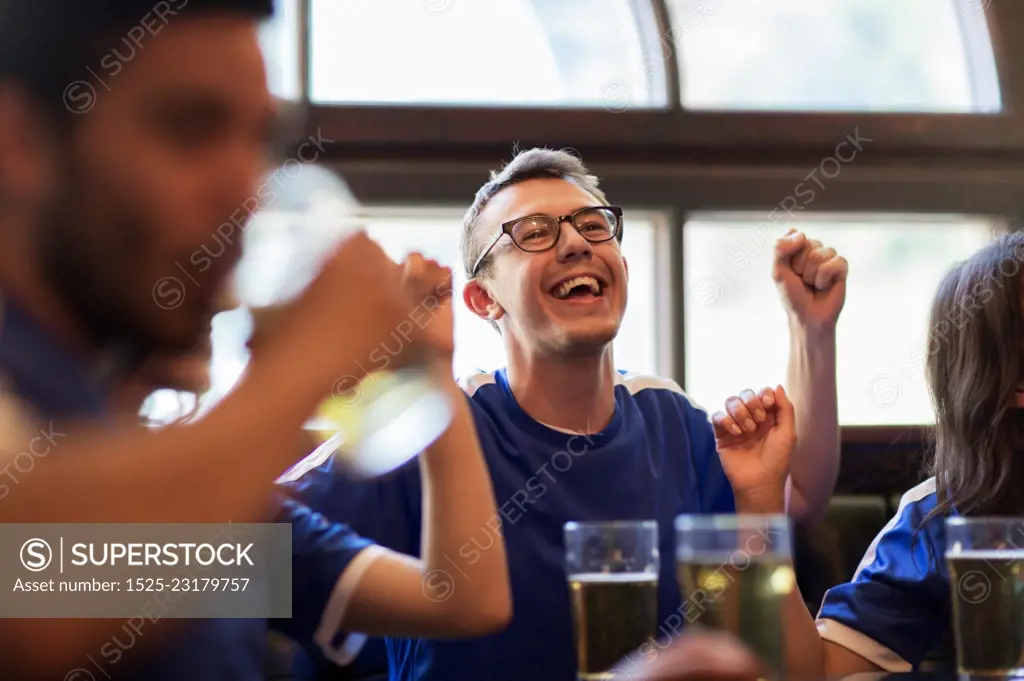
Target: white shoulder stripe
(313, 460)
(470, 384)
(635, 382)
(913, 495)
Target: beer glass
(612, 568)
(985, 557)
(371, 426)
(735, 573)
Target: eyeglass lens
(540, 232)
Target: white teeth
(563, 290)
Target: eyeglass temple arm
(476, 267)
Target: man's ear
(26, 160)
(478, 299)
(625, 266)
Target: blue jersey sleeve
(715, 489)
(327, 561)
(896, 609)
(385, 510)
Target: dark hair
(974, 367)
(46, 45)
(531, 164)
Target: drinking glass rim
(729, 521)
(964, 521)
(610, 524)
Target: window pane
(855, 55)
(736, 331)
(435, 233)
(512, 52)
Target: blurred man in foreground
(107, 191)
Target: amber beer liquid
(987, 588)
(612, 571)
(735, 573)
(985, 560)
(741, 596)
(613, 615)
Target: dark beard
(86, 266)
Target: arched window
(795, 55)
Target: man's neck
(576, 394)
(42, 304)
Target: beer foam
(614, 577)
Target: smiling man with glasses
(568, 437)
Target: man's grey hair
(531, 164)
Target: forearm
(814, 465)
(218, 469)
(459, 505)
(805, 658)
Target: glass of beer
(985, 557)
(370, 426)
(377, 424)
(735, 573)
(612, 568)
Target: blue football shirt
(896, 611)
(41, 382)
(656, 459)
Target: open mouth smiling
(579, 287)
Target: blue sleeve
(896, 608)
(307, 481)
(321, 551)
(715, 489)
(387, 509)
(384, 509)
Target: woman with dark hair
(896, 612)
(976, 375)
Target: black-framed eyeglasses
(536, 233)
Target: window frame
(677, 162)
